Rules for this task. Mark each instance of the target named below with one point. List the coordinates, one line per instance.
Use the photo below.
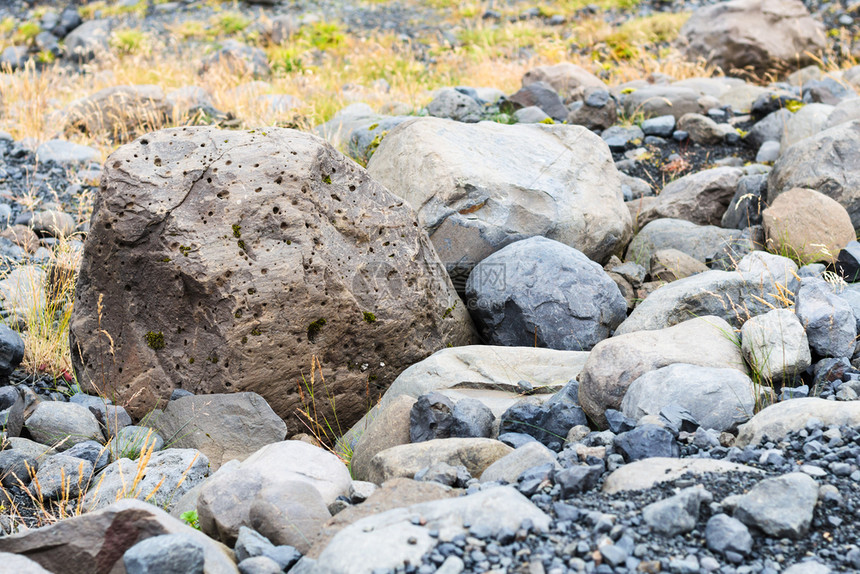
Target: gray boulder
(166, 476)
(221, 426)
(514, 307)
(655, 101)
(769, 128)
(702, 242)
(66, 153)
(718, 398)
(62, 425)
(61, 476)
(453, 105)
(615, 363)
(89, 40)
(804, 123)
(511, 466)
(778, 420)
(288, 512)
(702, 197)
(775, 345)
(780, 507)
(733, 296)
(828, 319)
(487, 187)
(543, 96)
(165, 554)
(677, 514)
(726, 534)
(647, 441)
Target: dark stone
(11, 350)
(164, 554)
(179, 393)
(542, 95)
(848, 262)
(647, 441)
(13, 468)
(91, 451)
(431, 417)
(618, 422)
(471, 418)
(548, 423)
(748, 202)
(516, 439)
(577, 479)
(69, 20)
(12, 405)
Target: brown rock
(22, 236)
(95, 542)
(569, 80)
(389, 428)
(807, 225)
(289, 513)
(476, 454)
(118, 112)
(395, 493)
(702, 197)
(671, 265)
(224, 261)
(757, 35)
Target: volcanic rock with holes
(755, 34)
(222, 261)
(477, 188)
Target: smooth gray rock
(95, 453)
(165, 554)
(661, 126)
(768, 152)
(531, 115)
(20, 564)
(726, 534)
(702, 242)
(250, 544)
(769, 128)
(66, 153)
(510, 467)
(396, 540)
(288, 512)
(453, 105)
(776, 421)
(222, 426)
(615, 363)
(845, 111)
(780, 507)
(805, 122)
(168, 475)
(619, 137)
(488, 186)
(644, 474)
(542, 95)
(89, 40)
(514, 307)
(827, 318)
(732, 296)
(63, 425)
(769, 266)
(677, 514)
(62, 475)
(17, 467)
(775, 345)
(702, 197)
(719, 398)
(702, 129)
(747, 204)
(259, 565)
(655, 101)
(808, 567)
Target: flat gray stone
(780, 507)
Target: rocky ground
(430, 287)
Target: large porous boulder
(700, 197)
(514, 303)
(480, 187)
(702, 242)
(718, 398)
(221, 426)
(222, 261)
(96, 541)
(733, 296)
(807, 225)
(828, 163)
(756, 35)
(615, 363)
(118, 112)
(777, 421)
